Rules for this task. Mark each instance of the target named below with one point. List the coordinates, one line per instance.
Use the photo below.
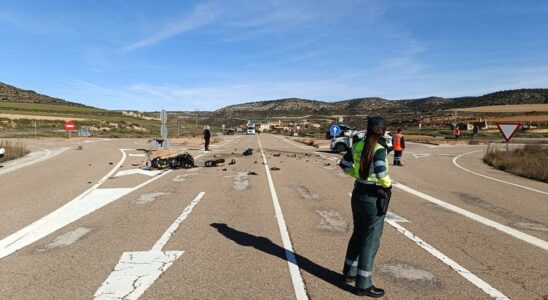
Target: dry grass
(519, 108)
(521, 118)
(13, 150)
(529, 161)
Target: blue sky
(188, 55)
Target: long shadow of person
(266, 245)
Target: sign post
(163, 129)
(508, 130)
(70, 127)
(335, 130)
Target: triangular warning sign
(508, 130)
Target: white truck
(345, 142)
(251, 129)
(2, 152)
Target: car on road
(344, 143)
(2, 152)
(230, 131)
(251, 129)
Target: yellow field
(35, 117)
(539, 118)
(522, 108)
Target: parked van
(251, 129)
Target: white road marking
(137, 271)
(30, 159)
(138, 171)
(510, 231)
(137, 155)
(298, 284)
(326, 156)
(393, 220)
(498, 180)
(66, 239)
(86, 203)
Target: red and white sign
(70, 126)
(508, 130)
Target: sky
(204, 55)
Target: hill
(12, 94)
(296, 106)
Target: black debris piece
(276, 154)
(274, 169)
(232, 162)
(252, 173)
(215, 162)
(248, 152)
(224, 169)
(256, 162)
(110, 163)
(327, 164)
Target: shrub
(529, 161)
(13, 150)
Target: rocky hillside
(10, 93)
(295, 106)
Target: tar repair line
(88, 202)
(394, 219)
(137, 271)
(510, 231)
(498, 180)
(298, 284)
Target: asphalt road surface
(80, 220)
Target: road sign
(508, 130)
(335, 130)
(70, 126)
(163, 131)
(163, 116)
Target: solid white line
(498, 180)
(486, 287)
(86, 203)
(510, 231)
(28, 160)
(162, 242)
(298, 284)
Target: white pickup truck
(344, 143)
(2, 152)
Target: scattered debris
(110, 163)
(224, 169)
(79, 148)
(252, 173)
(232, 162)
(215, 163)
(248, 152)
(276, 154)
(327, 164)
(275, 169)
(256, 162)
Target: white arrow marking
(393, 220)
(137, 271)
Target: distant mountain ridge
(10, 93)
(297, 106)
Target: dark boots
(370, 292)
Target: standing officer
(457, 132)
(399, 145)
(207, 137)
(368, 163)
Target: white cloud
(202, 15)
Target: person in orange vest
(457, 132)
(398, 143)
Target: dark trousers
(207, 143)
(366, 237)
(397, 157)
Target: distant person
(207, 137)
(457, 132)
(368, 163)
(475, 131)
(398, 142)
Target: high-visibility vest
(396, 141)
(384, 179)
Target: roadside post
(178, 127)
(335, 130)
(35, 130)
(70, 127)
(508, 130)
(163, 129)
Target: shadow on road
(266, 245)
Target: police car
(344, 143)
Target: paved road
(84, 224)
